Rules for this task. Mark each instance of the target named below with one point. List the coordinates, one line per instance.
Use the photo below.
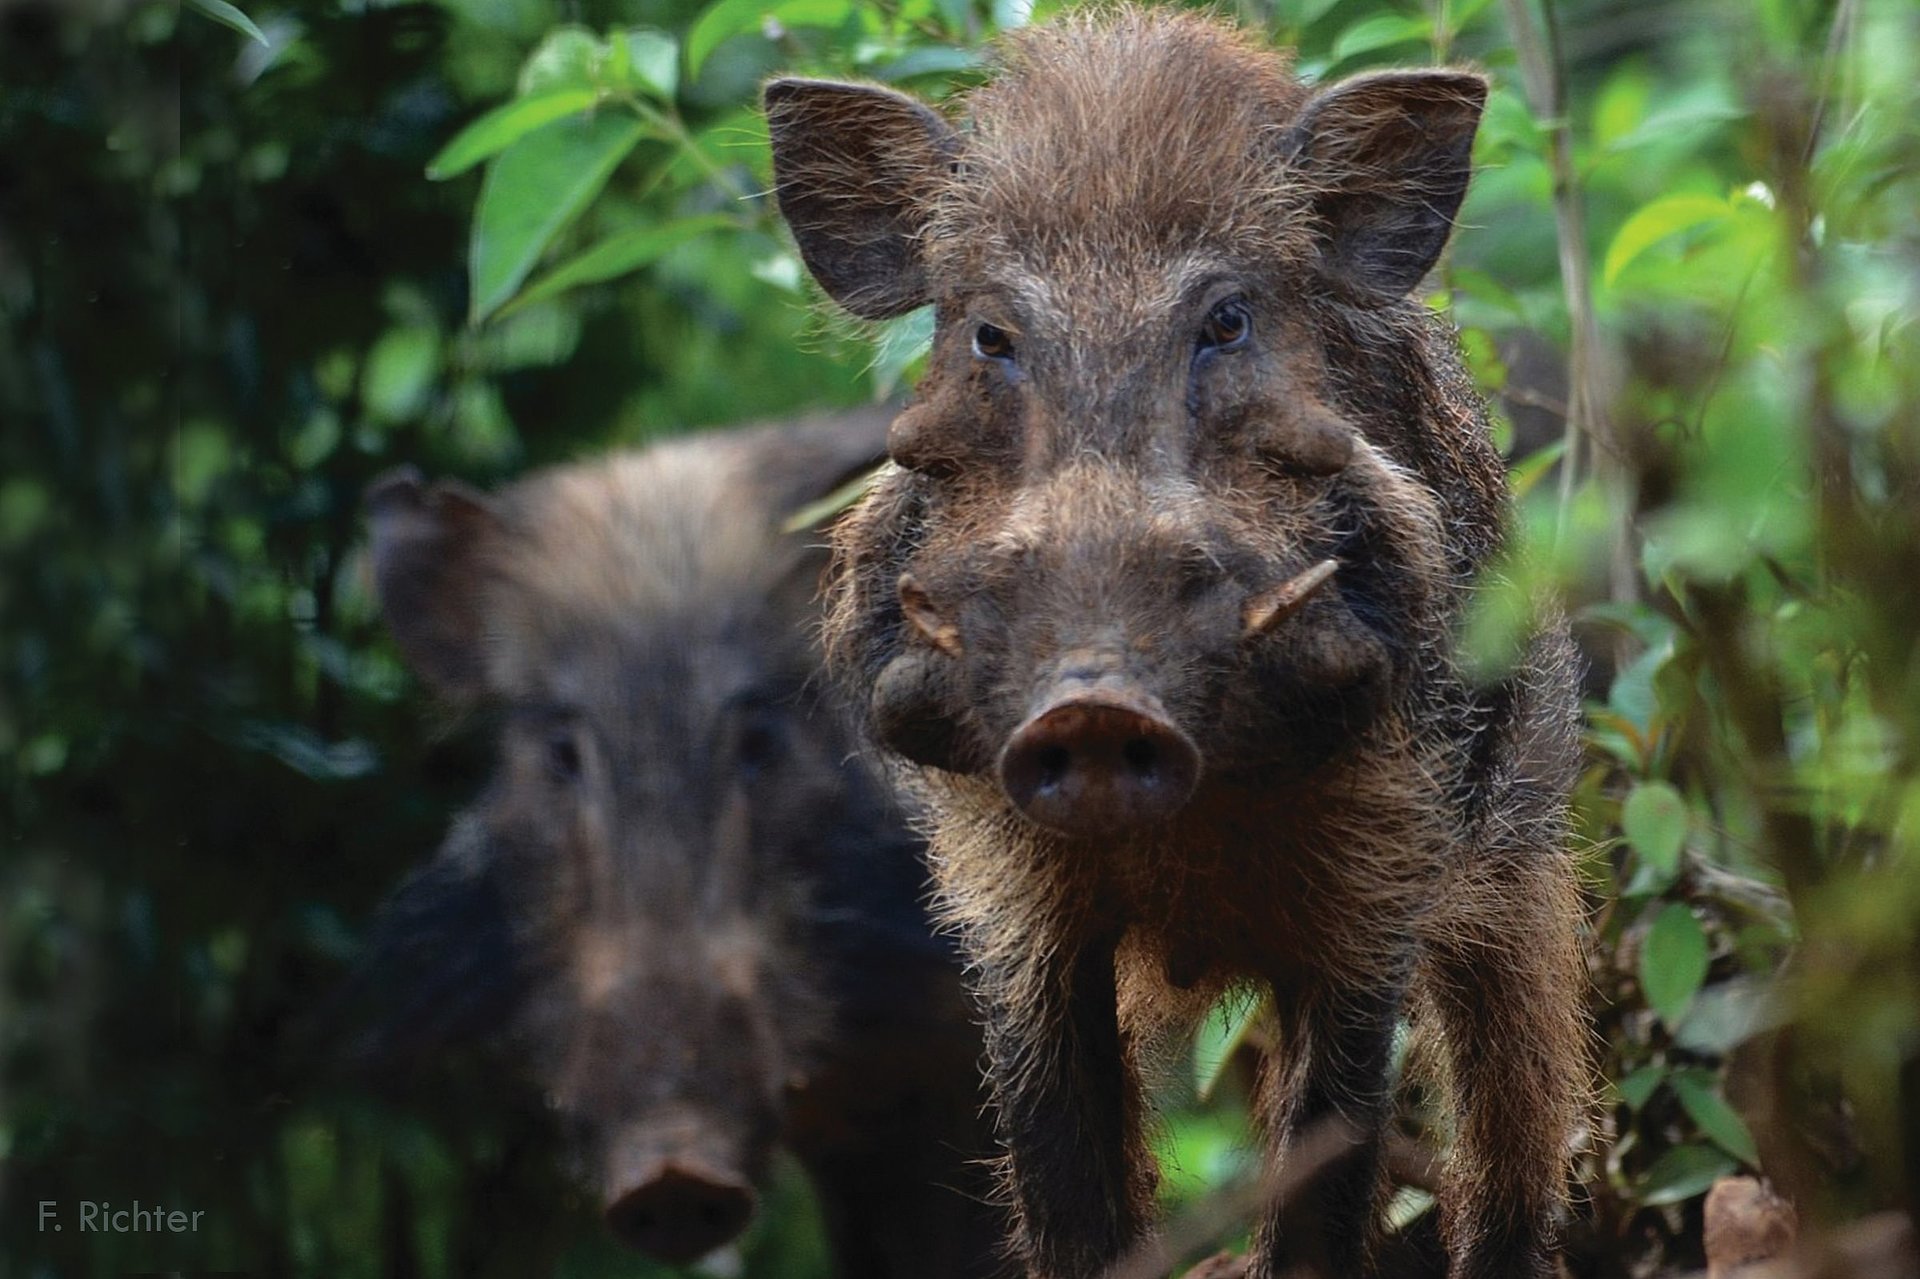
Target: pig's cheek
(913, 711)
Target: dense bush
(247, 262)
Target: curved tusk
(1271, 607)
(925, 619)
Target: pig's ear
(812, 461)
(430, 551)
(853, 168)
(1387, 158)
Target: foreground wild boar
(1160, 594)
(690, 911)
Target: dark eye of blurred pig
(711, 912)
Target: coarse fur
(710, 912)
(1176, 365)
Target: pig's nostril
(1053, 763)
(1098, 765)
(681, 1214)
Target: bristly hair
(1161, 125)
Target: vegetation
(249, 260)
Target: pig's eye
(990, 342)
(1227, 326)
(760, 746)
(563, 757)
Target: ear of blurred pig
(429, 553)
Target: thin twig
(1588, 434)
(1307, 1156)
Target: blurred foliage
(248, 260)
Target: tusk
(925, 619)
(1270, 608)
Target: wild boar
(686, 905)
(1160, 597)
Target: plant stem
(1588, 434)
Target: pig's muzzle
(676, 1200)
(1099, 757)
(681, 1213)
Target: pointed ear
(812, 460)
(853, 168)
(1387, 157)
(812, 471)
(429, 554)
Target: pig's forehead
(1103, 140)
(677, 667)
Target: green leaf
(222, 12)
(1728, 1013)
(654, 61)
(1682, 1173)
(731, 17)
(1655, 821)
(1533, 468)
(904, 341)
(532, 190)
(1714, 1116)
(1673, 961)
(814, 514)
(1378, 32)
(569, 58)
(1408, 1205)
(1653, 223)
(1459, 14)
(617, 255)
(1639, 1084)
(933, 60)
(722, 19)
(1222, 1032)
(501, 127)
(399, 372)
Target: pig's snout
(1098, 759)
(681, 1212)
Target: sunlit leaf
(1654, 819)
(1728, 1013)
(1653, 223)
(222, 12)
(904, 341)
(653, 59)
(1530, 470)
(569, 58)
(1223, 1031)
(399, 372)
(503, 126)
(1673, 961)
(1408, 1205)
(728, 18)
(532, 190)
(1378, 32)
(818, 512)
(617, 255)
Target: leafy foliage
(249, 260)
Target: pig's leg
(1327, 1097)
(1506, 983)
(1068, 1108)
(1504, 978)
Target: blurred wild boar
(1160, 594)
(683, 902)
